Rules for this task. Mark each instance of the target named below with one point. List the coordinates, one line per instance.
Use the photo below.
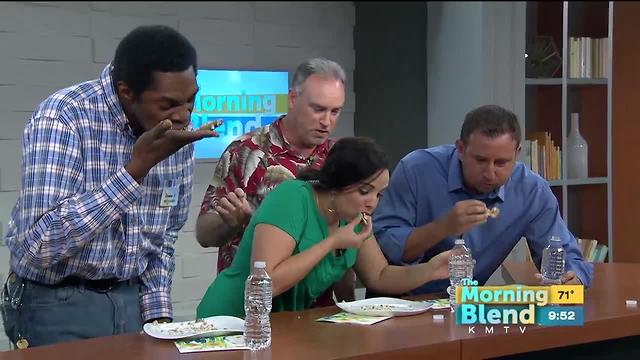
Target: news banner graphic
(554, 305)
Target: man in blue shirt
(438, 194)
(107, 172)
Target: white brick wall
(49, 45)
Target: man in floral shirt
(256, 162)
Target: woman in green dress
(310, 230)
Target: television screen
(243, 100)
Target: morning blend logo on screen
(244, 100)
(514, 307)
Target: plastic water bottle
(461, 265)
(258, 293)
(553, 262)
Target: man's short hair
(148, 49)
(316, 66)
(491, 121)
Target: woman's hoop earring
(330, 208)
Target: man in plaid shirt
(256, 162)
(106, 185)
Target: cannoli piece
(494, 212)
(364, 218)
(210, 125)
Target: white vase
(577, 151)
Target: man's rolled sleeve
(583, 270)
(573, 257)
(209, 200)
(547, 222)
(224, 180)
(394, 243)
(395, 217)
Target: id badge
(169, 195)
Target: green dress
(291, 207)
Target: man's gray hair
(318, 66)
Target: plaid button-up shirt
(80, 213)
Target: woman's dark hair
(148, 49)
(350, 160)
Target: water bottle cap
(259, 264)
(459, 242)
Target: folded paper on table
(439, 304)
(217, 343)
(348, 318)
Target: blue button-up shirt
(427, 183)
(80, 213)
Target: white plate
(211, 326)
(384, 306)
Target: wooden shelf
(543, 81)
(587, 81)
(582, 181)
(570, 81)
(587, 181)
(549, 102)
